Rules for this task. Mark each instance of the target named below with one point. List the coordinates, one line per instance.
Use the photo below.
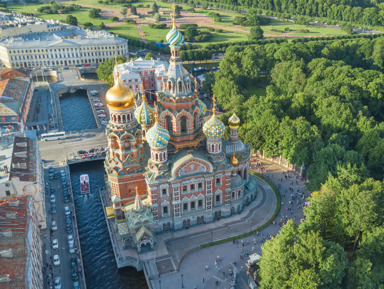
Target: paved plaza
(192, 268)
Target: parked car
(53, 209)
(73, 263)
(56, 260)
(52, 68)
(85, 64)
(76, 285)
(51, 169)
(54, 226)
(70, 240)
(101, 115)
(67, 210)
(80, 152)
(69, 229)
(53, 199)
(96, 100)
(68, 220)
(57, 175)
(57, 283)
(74, 275)
(62, 172)
(55, 244)
(72, 249)
(53, 191)
(66, 198)
(104, 122)
(50, 177)
(98, 104)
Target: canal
(99, 262)
(76, 111)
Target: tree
(256, 33)
(190, 33)
(154, 7)
(94, 13)
(178, 10)
(133, 10)
(157, 17)
(149, 56)
(252, 18)
(101, 26)
(114, 18)
(123, 11)
(71, 20)
(104, 71)
(347, 28)
(208, 82)
(88, 25)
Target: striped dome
(214, 128)
(202, 107)
(157, 137)
(144, 114)
(174, 37)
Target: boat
(84, 184)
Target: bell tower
(124, 159)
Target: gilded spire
(156, 112)
(143, 94)
(233, 160)
(214, 105)
(174, 15)
(196, 85)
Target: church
(167, 168)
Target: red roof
(8, 73)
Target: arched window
(157, 156)
(168, 120)
(196, 121)
(180, 86)
(183, 124)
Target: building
(185, 173)
(14, 24)
(15, 99)
(69, 46)
(136, 73)
(8, 73)
(21, 171)
(20, 245)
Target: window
(193, 205)
(233, 195)
(165, 210)
(183, 122)
(184, 189)
(164, 192)
(185, 207)
(218, 199)
(200, 185)
(200, 203)
(169, 123)
(192, 187)
(8, 193)
(218, 182)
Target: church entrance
(218, 215)
(200, 220)
(166, 227)
(232, 210)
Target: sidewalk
(192, 266)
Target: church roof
(143, 230)
(236, 181)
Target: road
(57, 151)
(64, 269)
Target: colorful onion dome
(234, 121)
(174, 37)
(202, 107)
(157, 136)
(144, 114)
(214, 128)
(119, 96)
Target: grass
(295, 29)
(277, 209)
(218, 37)
(129, 30)
(152, 34)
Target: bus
(53, 136)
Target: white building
(21, 171)
(137, 72)
(69, 46)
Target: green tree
(157, 17)
(256, 33)
(101, 26)
(123, 11)
(149, 56)
(71, 20)
(154, 7)
(252, 18)
(105, 69)
(94, 13)
(208, 82)
(88, 25)
(133, 10)
(114, 18)
(190, 33)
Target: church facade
(184, 171)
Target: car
(50, 177)
(70, 240)
(63, 179)
(92, 150)
(53, 209)
(95, 99)
(62, 172)
(98, 104)
(101, 115)
(74, 275)
(78, 65)
(66, 198)
(69, 229)
(65, 68)
(57, 283)
(53, 191)
(72, 249)
(73, 263)
(52, 68)
(44, 67)
(85, 64)
(81, 152)
(68, 220)
(55, 244)
(100, 112)
(51, 169)
(56, 260)
(76, 285)
(99, 109)
(104, 122)
(67, 211)
(57, 175)
(53, 199)
(54, 226)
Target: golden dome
(119, 96)
(234, 161)
(234, 121)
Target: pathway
(141, 33)
(192, 267)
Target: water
(100, 267)
(76, 111)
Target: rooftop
(12, 92)
(8, 73)
(14, 222)
(6, 150)
(142, 64)
(23, 159)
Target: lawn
(224, 37)
(295, 29)
(129, 30)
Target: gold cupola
(234, 121)
(119, 96)
(233, 160)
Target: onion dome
(144, 113)
(214, 128)
(174, 36)
(234, 121)
(202, 107)
(157, 136)
(119, 96)
(234, 161)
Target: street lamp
(182, 281)
(211, 236)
